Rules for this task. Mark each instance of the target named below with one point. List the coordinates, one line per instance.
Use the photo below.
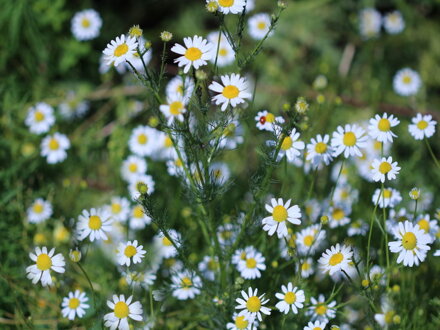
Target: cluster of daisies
(371, 21)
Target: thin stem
(370, 234)
(432, 153)
(90, 284)
(385, 233)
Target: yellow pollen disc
(166, 242)
(317, 328)
(409, 241)
(223, 52)
(253, 304)
(384, 167)
(308, 240)
(389, 317)
(38, 208)
(349, 139)
(338, 214)
(38, 116)
(121, 310)
(186, 282)
(168, 143)
(406, 79)
(384, 125)
(137, 212)
(176, 108)
(142, 139)
(193, 54)
(279, 213)
(241, 322)
(178, 162)
(85, 23)
(320, 147)
(321, 309)
(132, 167)
(226, 3)
(270, 118)
(336, 259)
(387, 193)
(287, 143)
(424, 224)
(95, 222)
(305, 266)
(212, 265)
(261, 25)
(422, 124)
(226, 234)
(130, 251)
(53, 144)
(290, 297)
(230, 91)
(44, 262)
(73, 303)
(251, 263)
(116, 208)
(121, 50)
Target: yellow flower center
(142, 139)
(251, 263)
(130, 251)
(241, 322)
(261, 25)
(212, 265)
(226, 3)
(270, 118)
(132, 167)
(44, 262)
(287, 143)
(384, 125)
(317, 328)
(116, 208)
(424, 224)
(193, 53)
(73, 303)
(186, 282)
(85, 23)
(320, 147)
(305, 266)
(384, 167)
(349, 139)
(279, 213)
(321, 309)
(38, 208)
(389, 317)
(166, 242)
(53, 144)
(137, 212)
(38, 116)
(168, 143)
(387, 193)
(223, 52)
(121, 50)
(336, 259)
(422, 124)
(406, 79)
(308, 240)
(338, 214)
(253, 304)
(290, 297)
(121, 310)
(409, 241)
(95, 222)
(230, 91)
(176, 108)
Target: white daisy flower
(223, 52)
(290, 147)
(266, 121)
(186, 285)
(377, 275)
(393, 22)
(422, 127)
(174, 109)
(259, 25)
(54, 147)
(358, 227)
(130, 251)
(306, 267)
(232, 92)
(44, 262)
(380, 127)
(143, 179)
(196, 53)
(290, 299)
(86, 24)
(348, 140)
(429, 226)
(250, 267)
(280, 212)
(137, 218)
(250, 5)
(227, 233)
(338, 215)
(143, 140)
(345, 194)
(385, 319)
(241, 254)
(219, 173)
(252, 305)
(74, 305)
(141, 279)
(370, 21)
(412, 244)
(132, 167)
(122, 310)
(317, 325)
(320, 310)
(209, 267)
(406, 82)
(385, 168)
(336, 259)
(94, 223)
(241, 323)
(230, 6)
(166, 248)
(136, 61)
(231, 136)
(39, 211)
(40, 118)
(390, 198)
(184, 87)
(309, 239)
(319, 150)
(120, 50)
(119, 208)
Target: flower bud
(75, 255)
(166, 36)
(135, 31)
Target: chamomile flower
(369, 23)
(412, 244)
(338, 215)
(196, 53)
(320, 310)
(230, 6)
(123, 309)
(380, 127)
(45, 261)
(138, 62)
(290, 299)
(233, 91)
(280, 213)
(345, 194)
(39, 211)
(348, 140)
(40, 118)
(393, 22)
(130, 252)
(384, 169)
(336, 259)
(241, 323)
(119, 208)
(143, 140)
(137, 218)
(406, 82)
(358, 227)
(132, 167)
(422, 127)
(94, 223)
(223, 52)
(427, 225)
(395, 217)
(174, 109)
(309, 239)
(165, 246)
(184, 87)
(252, 305)
(74, 305)
(186, 285)
(390, 198)
(319, 150)
(141, 279)
(290, 147)
(219, 173)
(231, 136)
(54, 147)
(377, 275)
(227, 233)
(266, 121)
(306, 267)
(241, 254)
(209, 266)
(259, 25)
(120, 50)
(86, 24)
(251, 266)
(317, 325)
(144, 180)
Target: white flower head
(291, 145)
(123, 309)
(319, 150)
(54, 147)
(86, 24)
(165, 246)
(94, 224)
(137, 218)
(259, 25)
(336, 259)
(241, 323)
(266, 121)
(320, 310)
(393, 22)
(130, 252)
(252, 305)
(74, 305)
(143, 141)
(423, 126)
(209, 267)
(232, 91)
(196, 53)
(385, 168)
(119, 208)
(143, 181)
(348, 140)
(186, 285)
(40, 118)
(380, 127)
(45, 261)
(280, 213)
(223, 53)
(317, 325)
(184, 87)
(174, 109)
(370, 21)
(39, 211)
(230, 6)
(390, 197)
(251, 266)
(290, 299)
(120, 50)
(406, 82)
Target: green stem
(90, 284)
(385, 234)
(370, 234)
(432, 153)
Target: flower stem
(432, 154)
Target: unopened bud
(135, 31)
(166, 36)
